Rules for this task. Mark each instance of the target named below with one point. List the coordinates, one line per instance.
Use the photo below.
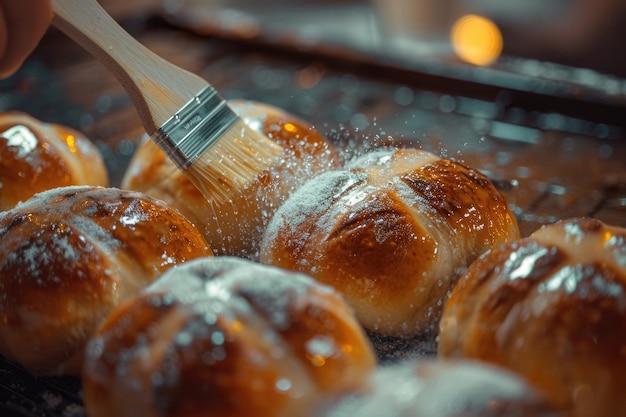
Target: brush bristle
(233, 163)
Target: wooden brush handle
(157, 87)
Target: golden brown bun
(37, 156)
(551, 307)
(68, 256)
(391, 234)
(435, 388)
(236, 229)
(225, 337)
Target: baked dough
(551, 307)
(225, 337)
(37, 156)
(391, 232)
(426, 387)
(236, 228)
(68, 256)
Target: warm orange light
(347, 348)
(237, 326)
(290, 127)
(476, 40)
(71, 143)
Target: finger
(3, 33)
(26, 21)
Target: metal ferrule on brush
(195, 128)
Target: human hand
(22, 25)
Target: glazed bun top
(68, 256)
(235, 228)
(391, 232)
(574, 262)
(37, 156)
(551, 307)
(227, 335)
(465, 200)
(436, 388)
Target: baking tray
(555, 152)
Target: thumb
(4, 36)
(24, 24)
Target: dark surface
(22, 394)
(556, 149)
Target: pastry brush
(180, 111)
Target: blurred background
(582, 33)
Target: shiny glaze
(68, 256)
(426, 387)
(553, 308)
(236, 228)
(35, 156)
(226, 335)
(390, 232)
